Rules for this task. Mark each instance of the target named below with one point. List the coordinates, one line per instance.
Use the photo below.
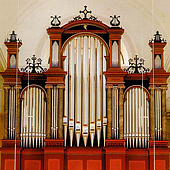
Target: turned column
(164, 121)
(60, 112)
(121, 115)
(109, 112)
(49, 112)
(152, 118)
(6, 116)
(18, 112)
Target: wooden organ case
(85, 112)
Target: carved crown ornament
(136, 66)
(157, 38)
(34, 66)
(85, 14)
(13, 38)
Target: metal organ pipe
(104, 97)
(85, 63)
(136, 126)
(78, 92)
(71, 89)
(33, 111)
(65, 118)
(92, 92)
(55, 54)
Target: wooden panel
(75, 164)
(138, 165)
(94, 164)
(53, 164)
(9, 164)
(160, 165)
(115, 164)
(32, 165)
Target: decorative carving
(13, 38)
(55, 21)
(54, 142)
(157, 38)
(136, 68)
(85, 12)
(76, 18)
(93, 18)
(115, 143)
(159, 144)
(115, 21)
(34, 67)
(11, 143)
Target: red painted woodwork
(94, 164)
(115, 35)
(157, 48)
(53, 142)
(116, 164)
(12, 48)
(115, 158)
(82, 33)
(87, 22)
(159, 143)
(54, 164)
(32, 164)
(32, 159)
(116, 142)
(55, 76)
(161, 159)
(75, 164)
(115, 76)
(137, 159)
(139, 165)
(86, 158)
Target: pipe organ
(84, 88)
(136, 116)
(33, 117)
(85, 99)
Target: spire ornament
(13, 38)
(157, 38)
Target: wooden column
(18, 112)
(6, 116)
(152, 118)
(164, 118)
(60, 112)
(121, 111)
(109, 112)
(49, 112)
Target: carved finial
(13, 38)
(34, 66)
(157, 38)
(55, 21)
(114, 21)
(85, 12)
(136, 67)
